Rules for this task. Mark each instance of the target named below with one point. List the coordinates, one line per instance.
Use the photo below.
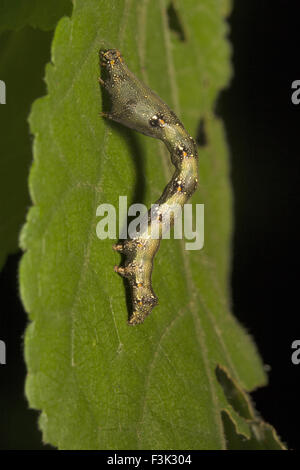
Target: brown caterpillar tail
(143, 309)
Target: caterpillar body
(135, 105)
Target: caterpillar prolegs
(134, 105)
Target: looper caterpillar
(136, 106)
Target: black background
(262, 126)
(263, 131)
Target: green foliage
(23, 55)
(42, 14)
(22, 60)
(178, 381)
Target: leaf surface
(43, 14)
(24, 51)
(99, 383)
(23, 56)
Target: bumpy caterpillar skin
(136, 106)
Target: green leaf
(262, 435)
(99, 383)
(23, 55)
(36, 13)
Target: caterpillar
(136, 106)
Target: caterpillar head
(110, 57)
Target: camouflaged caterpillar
(136, 106)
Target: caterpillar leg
(105, 115)
(102, 82)
(118, 247)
